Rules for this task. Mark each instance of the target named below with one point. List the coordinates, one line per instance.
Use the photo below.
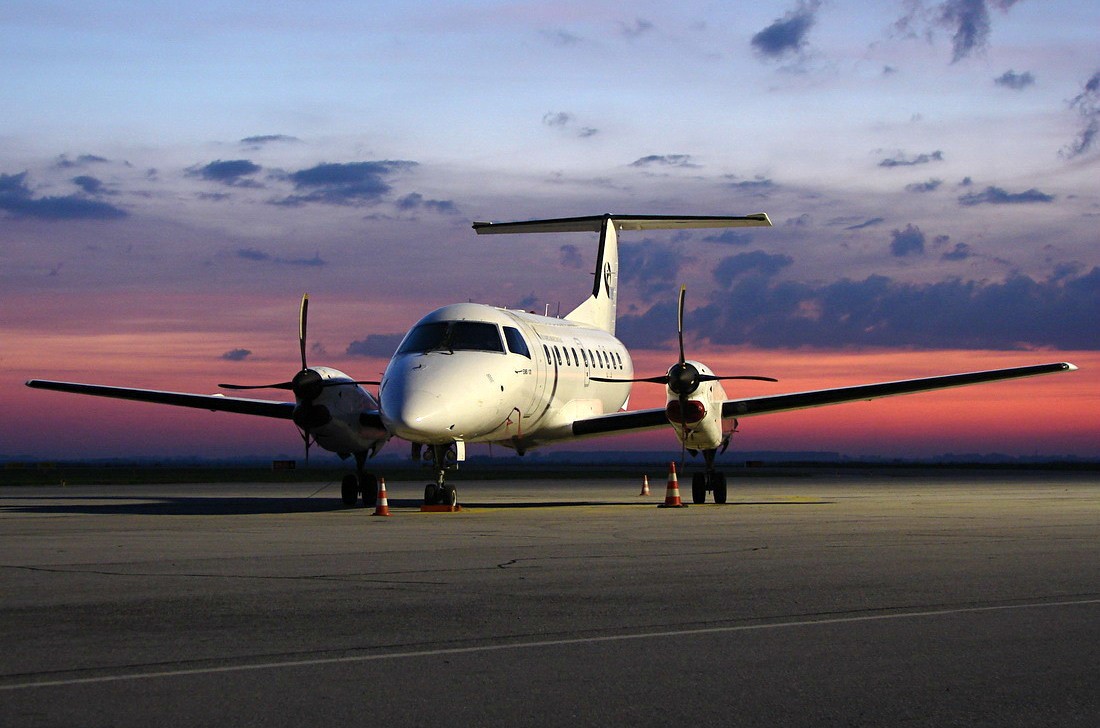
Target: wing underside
(621, 422)
(212, 402)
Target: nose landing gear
(442, 458)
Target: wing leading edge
(212, 402)
(654, 418)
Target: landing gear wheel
(431, 494)
(448, 496)
(349, 490)
(718, 485)
(699, 488)
(368, 486)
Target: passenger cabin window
(516, 344)
(452, 336)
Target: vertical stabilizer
(599, 309)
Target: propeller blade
(716, 378)
(663, 379)
(680, 322)
(302, 328)
(277, 385)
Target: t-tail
(600, 308)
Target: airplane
(475, 373)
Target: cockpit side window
(516, 344)
(452, 336)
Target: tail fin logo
(607, 279)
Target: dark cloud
(757, 262)
(1087, 106)
(63, 161)
(998, 196)
(262, 139)
(902, 160)
(756, 184)
(909, 241)
(236, 355)
(867, 223)
(557, 119)
(343, 184)
(416, 201)
(968, 21)
(229, 172)
(571, 257)
(729, 237)
(961, 252)
(260, 256)
(1015, 81)
(1016, 313)
(928, 186)
(665, 160)
(786, 35)
(375, 345)
(567, 122)
(654, 266)
(17, 199)
(90, 185)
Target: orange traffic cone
(383, 507)
(645, 485)
(672, 493)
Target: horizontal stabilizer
(594, 223)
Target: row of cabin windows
(607, 360)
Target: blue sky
(191, 169)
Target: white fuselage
(476, 373)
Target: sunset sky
(174, 177)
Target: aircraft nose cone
(419, 415)
(433, 404)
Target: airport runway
(825, 600)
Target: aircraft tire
(449, 496)
(349, 490)
(368, 486)
(431, 494)
(718, 485)
(699, 488)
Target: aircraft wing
(212, 402)
(653, 418)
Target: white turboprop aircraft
(473, 373)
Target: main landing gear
(442, 458)
(710, 479)
(361, 482)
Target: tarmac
(834, 599)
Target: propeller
(307, 385)
(683, 378)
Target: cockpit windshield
(452, 336)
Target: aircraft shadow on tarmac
(241, 506)
(168, 506)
